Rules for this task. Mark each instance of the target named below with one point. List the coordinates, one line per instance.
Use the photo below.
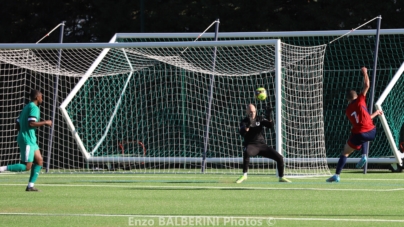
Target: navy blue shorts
(357, 139)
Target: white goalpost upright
(392, 116)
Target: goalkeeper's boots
(282, 179)
(334, 178)
(361, 162)
(32, 189)
(241, 179)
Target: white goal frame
(113, 44)
(397, 154)
(397, 159)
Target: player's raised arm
(376, 113)
(267, 122)
(268, 117)
(366, 82)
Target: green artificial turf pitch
(372, 199)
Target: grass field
(373, 199)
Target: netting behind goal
(17, 82)
(20, 74)
(342, 62)
(145, 109)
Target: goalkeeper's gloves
(248, 122)
(259, 118)
(244, 125)
(268, 111)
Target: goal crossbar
(139, 45)
(260, 34)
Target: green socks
(21, 167)
(34, 173)
(17, 168)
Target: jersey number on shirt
(356, 116)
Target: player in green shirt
(27, 124)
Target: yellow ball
(261, 93)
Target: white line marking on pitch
(139, 176)
(375, 179)
(184, 176)
(217, 217)
(210, 187)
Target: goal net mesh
(145, 109)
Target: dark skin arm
(40, 123)
(34, 124)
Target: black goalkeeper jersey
(254, 135)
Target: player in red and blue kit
(363, 130)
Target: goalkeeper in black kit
(254, 143)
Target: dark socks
(341, 163)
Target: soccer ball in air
(261, 93)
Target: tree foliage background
(26, 21)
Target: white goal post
(398, 104)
